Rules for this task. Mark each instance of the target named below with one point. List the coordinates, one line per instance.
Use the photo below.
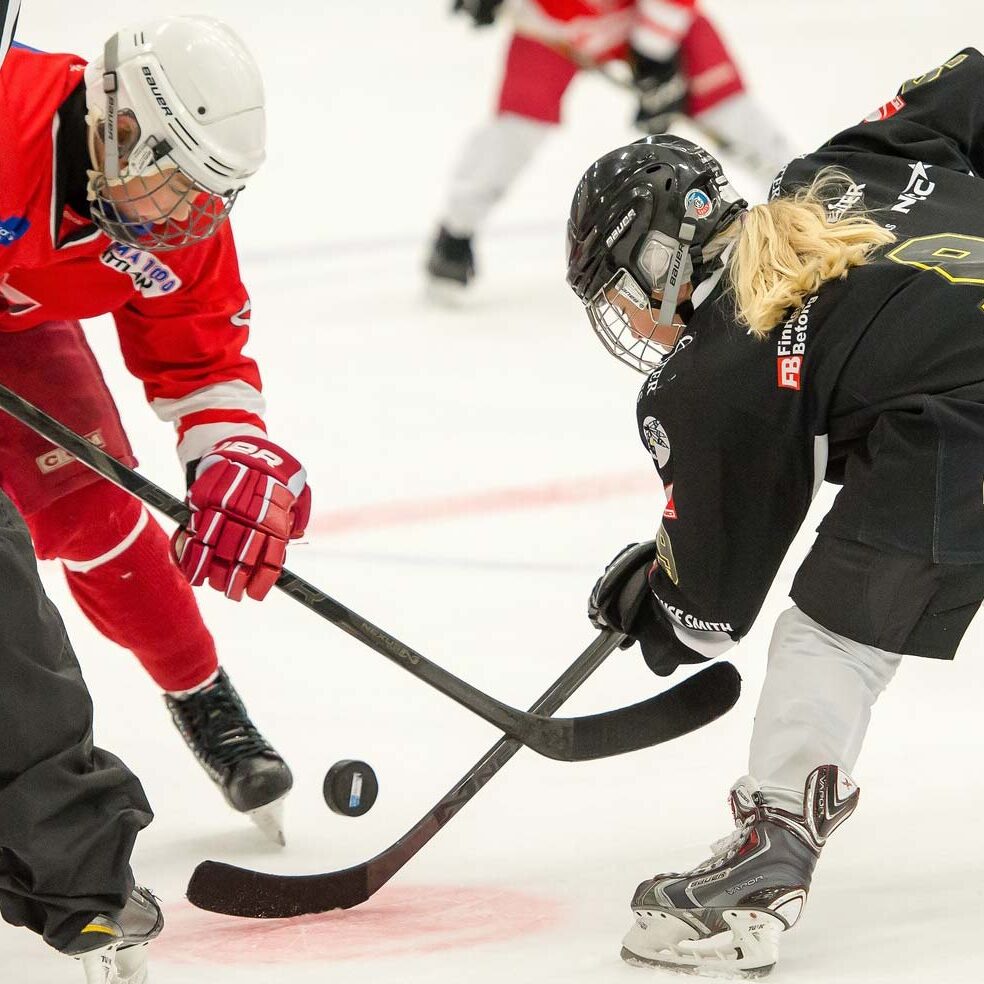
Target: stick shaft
(386, 864)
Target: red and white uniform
(602, 28)
(182, 317)
(552, 40)
(538, 71)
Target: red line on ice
(398, 922)
(563, 492)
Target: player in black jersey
(836, 332)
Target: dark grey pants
(69, 812)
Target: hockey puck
(351, 788)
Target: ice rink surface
(473, 471)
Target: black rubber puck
(351, 788)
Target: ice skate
(727, 914)
(450, 267)
(253, 778)
(112, 947)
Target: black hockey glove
(482, 12)
(622, 600)
(662, 91)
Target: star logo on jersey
(13, 228)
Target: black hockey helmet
(641, 218)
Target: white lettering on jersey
(846, 202)
(917, 190)
(241, 318)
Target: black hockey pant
(69, 812)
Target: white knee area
(815, 705)
(84, 566)
(739, 123)
(490, 162)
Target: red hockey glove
(249, 497)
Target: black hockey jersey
(876, 382)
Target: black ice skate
(253, 778)
(112, 947)
(451, 265)
(727, 913)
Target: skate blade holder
(749, 948)
(116, 964)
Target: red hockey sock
(119, 569)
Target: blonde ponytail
(785, 249)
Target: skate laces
(217, 719)
(744, 799)
(726, 847)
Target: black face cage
(622, 317)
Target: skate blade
(446, 293)
(747, 950)
(99, 965)
(269, 819)
(131, 964)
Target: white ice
(391, 402)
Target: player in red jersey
(115, 182)
(679, 65)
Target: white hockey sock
(815, 705)
(490, 161)
(208, 681)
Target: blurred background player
(115, 182)
(679, 65)
(69, 812)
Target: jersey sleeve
(937, 117)
(738, 468)
(660, 27)
(186, 345)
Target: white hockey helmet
(178, 104)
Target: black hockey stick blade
(567, 740)
(236, 891)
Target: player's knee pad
(87, 524)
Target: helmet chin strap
(111, 140)
(671, 294)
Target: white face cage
(141, 197)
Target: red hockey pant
(116, 557)
(537, 75)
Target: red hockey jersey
(182, 316)
(601, 28)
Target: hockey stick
(235, 891)
(593, 736)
